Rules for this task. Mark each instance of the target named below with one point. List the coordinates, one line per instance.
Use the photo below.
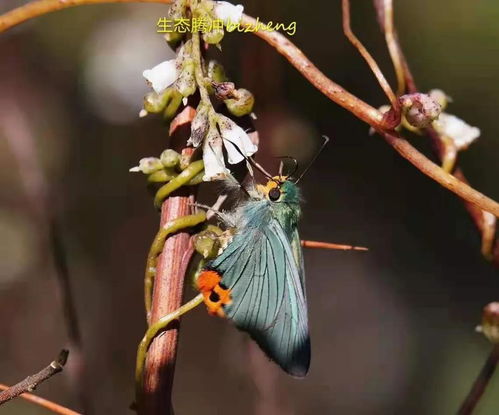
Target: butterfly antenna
(251, 161)
(281, 165)
(326, 140)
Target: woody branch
(483, 220)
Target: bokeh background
(392, 329)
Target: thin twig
(481, 383)
(45, 403)
(22, 144)
(406, 150)
(328, 245)
(41, 7)
(329, 88)
(484, 221)
(345, 5)
(31, 382)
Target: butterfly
(258, 281)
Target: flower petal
(461, 133)
(228, 12)
(161, 76)
(213, 158)
(237, 143)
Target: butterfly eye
(274, 194)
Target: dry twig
(484, 221)
(45, 403)
(481, 383)
(31, 382)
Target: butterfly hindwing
(263, 270)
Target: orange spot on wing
(215, 297)
(208, 280)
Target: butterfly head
(280, 189)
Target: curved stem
(41, 7)
(447, 180)
(347, 29)
(183, 178)
(329, 88)
(157, 247)
(151, 334)
(393, 47)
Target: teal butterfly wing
(263, 269)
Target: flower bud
(242, 104)
(207, 244)
(199, 126)
(223, 90)
(419, 109)
(155, 103)
(148, 165)
(214, 37)
(216, 72)
(162, 176)
(185, 83)
(490, 322)
(440, 97)
(169, 158)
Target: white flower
(227, 12)
(461, 133)
(237, 143)
(161, 76)
(213, 158)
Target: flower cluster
(173, 81)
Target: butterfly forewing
(264, 272)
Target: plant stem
(481, 383)
(345, 5)
(336, 93)
(167, 297)
(41, 7)
(484, 221)
(45, 403)
(31, 382)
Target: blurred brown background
(392, 330)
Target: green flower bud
(207, 244)
(155, 103)
(214, 37)
(170, 158)
(148, 165)
(242, 104)
(162, 176)
(216, 72)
